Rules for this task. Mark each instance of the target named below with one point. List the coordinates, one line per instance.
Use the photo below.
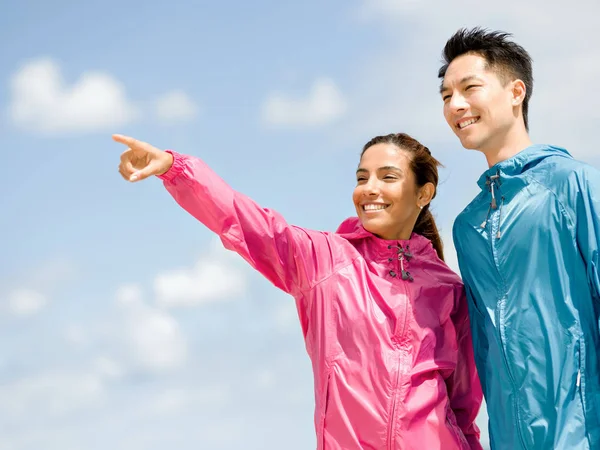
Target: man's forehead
(465, 68)
(467, 63)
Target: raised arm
(292, 258)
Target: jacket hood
(522, 161)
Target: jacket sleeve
(292, 258)
(588, 224)
(464, 388)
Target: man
(528, 252)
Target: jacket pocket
(324, 406)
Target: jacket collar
(352, 230)
(520, 162)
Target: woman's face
(386, 196)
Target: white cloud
(25, 302)
(176, 106)
(158, 341)
(41, 100)
(154, 338)
(324, 104)
(214, 277)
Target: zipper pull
(578, 382)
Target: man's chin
(469, 144)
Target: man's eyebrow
(462, 81)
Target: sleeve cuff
(176, 168)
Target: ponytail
(427, 228)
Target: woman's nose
(372, 187)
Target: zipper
(495, 226)
(392, 425)
(396, 339)
(580, 366)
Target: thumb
(153, 168)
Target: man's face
(477, 106)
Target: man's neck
(511, 143)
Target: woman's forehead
(385, 154)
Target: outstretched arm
(292, 258)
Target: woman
(384, 319)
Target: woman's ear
(426, 193)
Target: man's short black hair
(508, 59)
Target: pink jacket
(392, 359)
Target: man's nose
(457, 103)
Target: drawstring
(499, 233)
(491, 183)
(487, 216)
(403, 253)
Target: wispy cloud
(176, 106)
(323, 104)
(154, 337)
(215, 277)
(25, 302)
(42, 101)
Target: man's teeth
(467, 123)
(373, 207)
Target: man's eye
(390, 177)
(359, 179)
(446, 98)
(470, 86)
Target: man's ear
(518, 92)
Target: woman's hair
(424, 166)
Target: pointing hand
(141, 159)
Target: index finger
(131, 142)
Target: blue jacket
(528, 253)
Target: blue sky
(123, 323)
